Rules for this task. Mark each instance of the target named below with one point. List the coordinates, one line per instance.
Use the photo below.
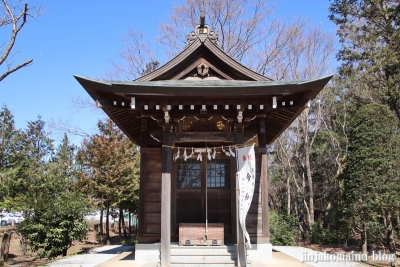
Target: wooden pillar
(142, 181)
(264, 179)
(145, 133)
(166, 200)
(241, 250)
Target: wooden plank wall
(150, 195)
(150, 200)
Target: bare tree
(246, 30)
(14, 15)
(300, 52)
(62, 126)
(135, 60)
(240, 24)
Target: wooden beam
(264, 197)
(264, 179)
(197, 100)
(261, 133)
(203, 136)
(144, 132)
(186, 101)
(142, 191)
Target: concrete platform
(127, 258)
(124, 256)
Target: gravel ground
(319, 259)
(92, 258)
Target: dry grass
(16, 257)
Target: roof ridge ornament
(202, 31)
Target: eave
(204, 88)
(291, 100)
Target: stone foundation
(260, 252)
(146, 252)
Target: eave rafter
(188, 104)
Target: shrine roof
(203, 87)
(203, 49)
(202, 78)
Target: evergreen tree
(40, 183)
(372, 182)
(8, 133)
(33, 151)
(57, 217)
(369, 31)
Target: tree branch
(8, 72)
(16, 22)
(15, 28)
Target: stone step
(205, 264)
(201, 250)
(200, 256)
(203, 260)
(224, 247)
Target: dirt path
(16, 258)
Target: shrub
(320, 235)
(283, 229)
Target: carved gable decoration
(202, 33)
(202, 69)
(191, 37)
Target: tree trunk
(327, 215)
(108, 222)
(288, 194)
(5, 245)
(304, 209)
(121, 215)
(23, 245)
(302, 221)
(101, 223)
(65, 251)
(391, 243)
(123, 224)
(129, 223)
(365, 242)
(310, 188)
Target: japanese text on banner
(245, 159)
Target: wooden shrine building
(187, 116)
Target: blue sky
(79, 38)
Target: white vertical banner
(246, 176)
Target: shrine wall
(150, 200)
(150, 195)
